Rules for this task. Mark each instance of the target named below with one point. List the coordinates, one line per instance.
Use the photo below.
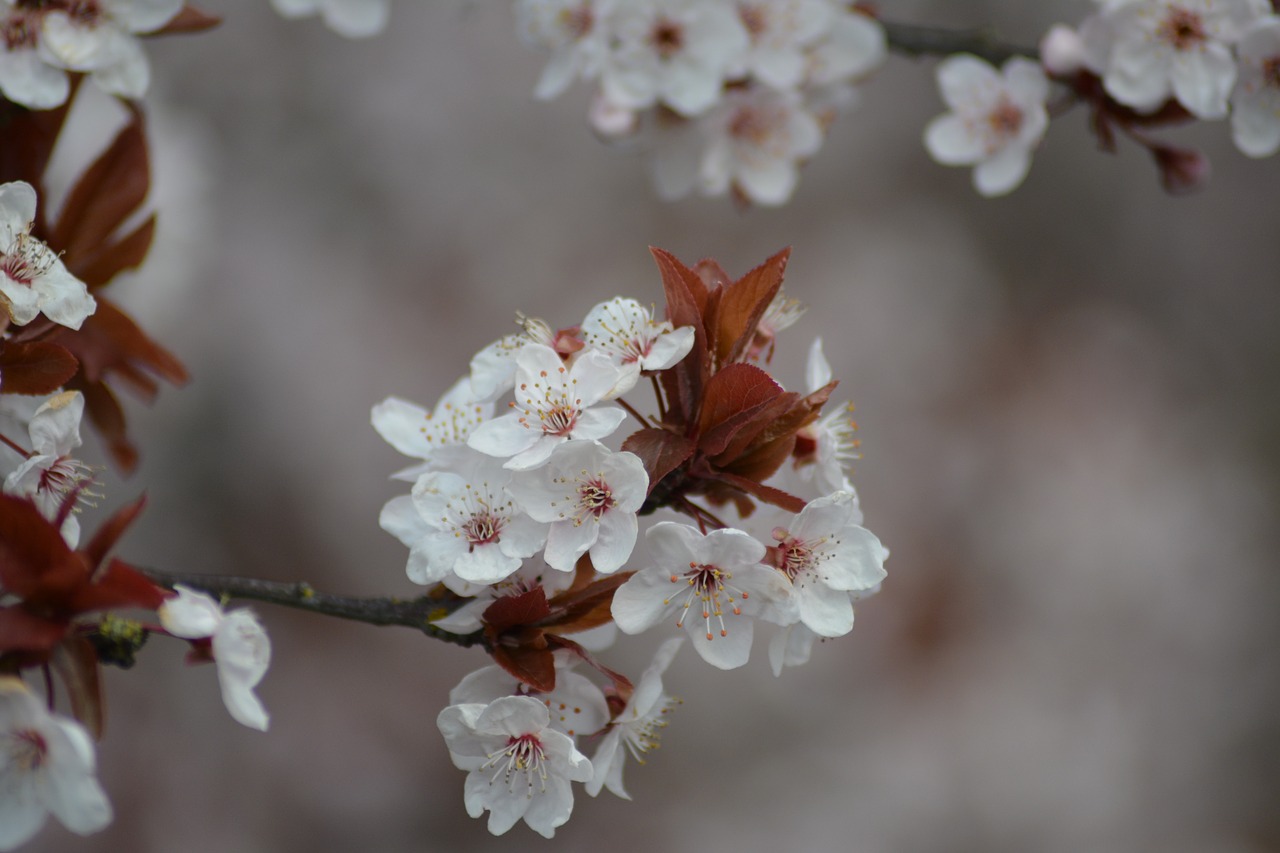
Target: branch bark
(913, 40)
(413, 613)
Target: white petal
(356, 18)
(950, 141)
(640, 603)
(400, 423)
(1002, 173)
(191, 615)
(615, 541)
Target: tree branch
(913, 40)
(414, 613)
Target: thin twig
(413, 613)
(913, 40)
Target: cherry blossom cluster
(1138, 64)
(58, 593)
(525, 518)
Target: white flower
(415, 432)
(825, 447)
(757, 139)
(96, 36)
(46, 766)
(676, 52)
(854, 46)
(519, 767)
(715, 582)
(26, 77)
(1147, 50)
(32, 278)
(350, 18)
(783, 313)
(241, 649)
(574, 30)
(1062, 50)
(825, 555)
(1255, 104)
(590, 496)
(493, 369)
(531, 574)
(780, 32)
(577, 706)
(625, 330)
(997, 119)
(552, 405)
(637, 727)
(49, 474)
(468, 525)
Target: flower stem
(913, 40)
(413, 613)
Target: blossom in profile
(576, 33)
(519, 767)
(350, 18)
(422, 434)
(98, 38)
(1255, 104)
(47, 766)
(26, 77)
(1147, 51)
(576, 705)
(50, 476)
(825, 447)
(713, 584)
(239, 643)
(638, 726)
(33, 279)
(997, 119)
(625, 330)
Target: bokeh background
(1068, 401)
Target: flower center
(709, 586)
(595, 498)
(645, 733)
(28, 750)
(753, 18)
(667, 37)
(26, 259)
(1004, 121)
(577, 22)
(552, 404)
(1183, 29)
(482, 529)
(523, 755)
(20, 30)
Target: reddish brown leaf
(768, 494)
(76, 663)
(746, 432)
(733, 391)
(28, 137)
(22, 631)
(684, 382)
(587, 608)
(33, 554)
(39, 367)
(741, 306)
(108, 419)
(111, 530)
(119, 585)
(660, 451)
(512, 611)
(98, 268)
(534, 667)
(620, 681)
(111, 189)
(189, 20)
(109, 341)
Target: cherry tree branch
(914, 40)
(412, 613)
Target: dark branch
(913, 40)
(414, 613)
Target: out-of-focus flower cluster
(525, 517)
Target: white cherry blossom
(47, 766)
(49, 475)
(519, 767)
(780, 33)
(493, 369)
(825, 448)
(674, 52)
(782, 313)
(26, 75)
(422, 434)
(637, 728)
(1149, 50)
(97, 37)
(997, 118)
(467, 525)
(756, 140)
(552, 405)
(241, 648)
(1255, 104)
(350, 18)
(575, 31)
(714, 582)
(793, 644)
(825, 555)
(854, 45)
(33, 279)
(625, 330)
(589, 495)
(576, 705)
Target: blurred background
(1068, 406)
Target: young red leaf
(660, 451)
(39, 367)
(35, 561)
(684, 382)
(23, 631)
(587, 608)
(189, 20)
(108, 419)
(28, 139)
(734, 390)
(511, 611)
(741, 306)
(118, 585)
(111, 189)
(535, 667)
(768, 494)
(98, 268)
(76, 663)
(109, 341)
